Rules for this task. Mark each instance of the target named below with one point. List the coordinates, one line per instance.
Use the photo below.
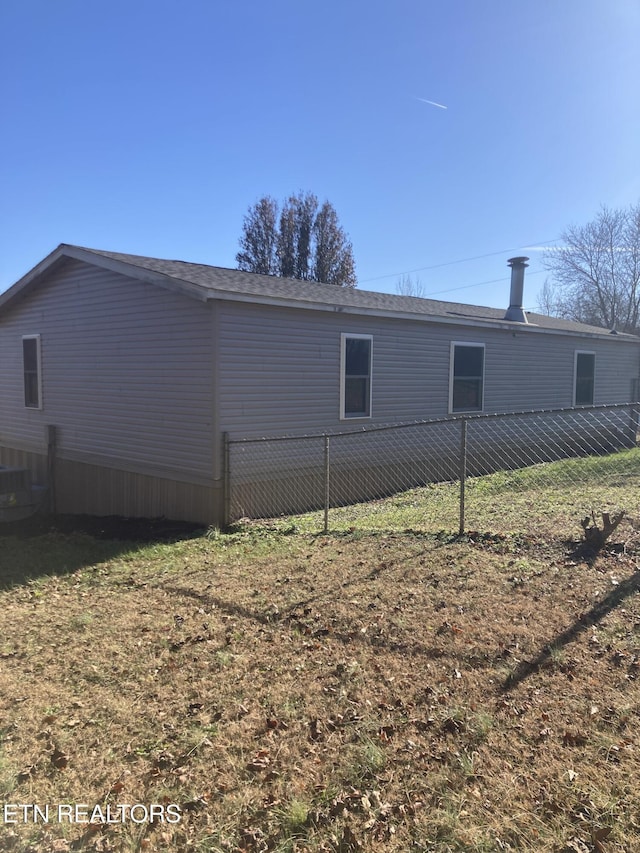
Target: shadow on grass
(583, 552)
(286, 614)
(292, 619)
(43, 545)
(614, 599)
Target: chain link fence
(436, 474)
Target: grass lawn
(388, 687)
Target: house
(126, 371)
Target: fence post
(463, 471)
(633, 427)
(51, 466)
(327, 470)
(226, 481)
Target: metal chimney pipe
(515, 311)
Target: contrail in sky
(433, 103)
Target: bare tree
(596, 272)
(302, 240)
(259, 241)
(550, 301)
(333, 255)
(297, 220)
(288, 242)
(406, 286)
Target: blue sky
(150, 127)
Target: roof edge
(135, 271)
(29, 278)
(66, 250)
(361, 311)
(204, 294)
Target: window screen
(357, 377)
(585, 374)
(468, 378)
(31, 365)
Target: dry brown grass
(378, 692)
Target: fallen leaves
(346, 693)
(599, 836)
(59, 759)
(598, 839)
(575, 738)
(260, 761)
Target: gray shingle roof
(207, 282)
(221, 279)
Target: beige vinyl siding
(280, 368)
(126, 373)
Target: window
(32, 371)
(584, 375)
(355, 376)
(466, 382)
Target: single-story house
(142, 365)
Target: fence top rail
(451, 419)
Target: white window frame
(38, 341)
(575, 375)
(452, 353)
(344, 337)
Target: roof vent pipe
(515, 312)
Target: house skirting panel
(10, 457)
(81, 488)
